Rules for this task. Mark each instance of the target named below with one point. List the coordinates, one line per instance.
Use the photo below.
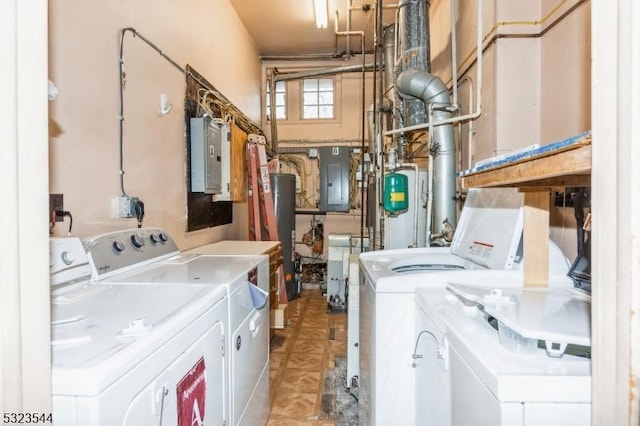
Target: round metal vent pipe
(431, 90)
(415, 51)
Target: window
(281, 100)
(317, 98)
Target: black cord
(139, 209)
(62, 214)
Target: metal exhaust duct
(430, 89)
(414, 41)
(389, 39)
(391, 72)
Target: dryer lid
(192, 269)
(490, 227)
(97, 339)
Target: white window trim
(337, 104)
(333, 104)
(287, 95)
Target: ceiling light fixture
(320, 9)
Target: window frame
(335, 113)
(267, 102)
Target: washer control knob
(68, 257)
(155, 238)
(118, 246)
(137, 240)
(163, 236)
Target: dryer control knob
(137, 240)
(163, 236)
(118, 246)
(155, 238)
(68, 258)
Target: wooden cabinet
(275, 260)
(238, 164)
(536, 173)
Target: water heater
(284, 201)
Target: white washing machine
(487, 240)
(151, 260)
(134, 355)
(510, 357)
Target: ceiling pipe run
(433, 92)
(275, 77)
(323, 72)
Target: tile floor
(301, 353)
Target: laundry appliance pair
(486, 250)
(144, 334)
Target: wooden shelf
(568, 165)
(536, 173)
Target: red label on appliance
(191, 392)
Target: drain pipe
(432, 90)
(364, 112)
(348, 32)
(454, 55)
(428, 233)
(416, 199)
(272, 111)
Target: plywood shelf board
(567, 164)
(536, 173)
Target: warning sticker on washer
(191, 391)
(481, 249)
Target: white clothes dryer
(246, 282)
(134, 355)
(487, 240)
(490, 356)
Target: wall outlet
(126, 206)
(56, 204)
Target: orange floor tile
(301, 354)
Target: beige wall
(565, 97)
(535, 90)
(84, 159)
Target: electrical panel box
(207, 137)
(334, 178)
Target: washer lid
(557, 316)
(490, 227)
(98, 338)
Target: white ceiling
(287, 27)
